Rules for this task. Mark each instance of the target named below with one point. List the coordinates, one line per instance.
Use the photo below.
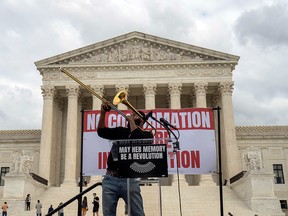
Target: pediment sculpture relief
(137, 51)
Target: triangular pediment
(136, 47)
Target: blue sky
(256, 31)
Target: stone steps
(195, 201)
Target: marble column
(149, 90)
(56, 142)
(200, 89)
(59, 145)
(99, 89)
(230, 155)
(96, 105)
(48, 93)
(175, 90)
(119, 88)
(71, 135)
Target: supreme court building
(157, 73)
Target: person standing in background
(61, 211)
(95, 204)
(85, 182)
(4, 209)
(38, 208)
(84, 206)
(50, 209)
(28, 202)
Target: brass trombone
(121, 97)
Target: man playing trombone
(113, 186)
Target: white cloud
(264, 26)
(20, 106)
(32, 30)
(251, 110)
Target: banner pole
(220, 161)
(81, 164)
(160, 196)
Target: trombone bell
(120, 97)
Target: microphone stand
(159, 184)
(175, 149)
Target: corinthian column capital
(48, 91)
(122, 86)
(149, 88)
(73, 91)
(226, 88)
(175, 88)
(99, 89)
(200, 88)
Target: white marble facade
(157, 73)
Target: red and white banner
(197, 154)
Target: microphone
(146, 117)
(164, 121)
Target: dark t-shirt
(96, 204)
(84, 204)
(119, 133)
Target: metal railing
(39, 178)
(77, 197)
(237, 177)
